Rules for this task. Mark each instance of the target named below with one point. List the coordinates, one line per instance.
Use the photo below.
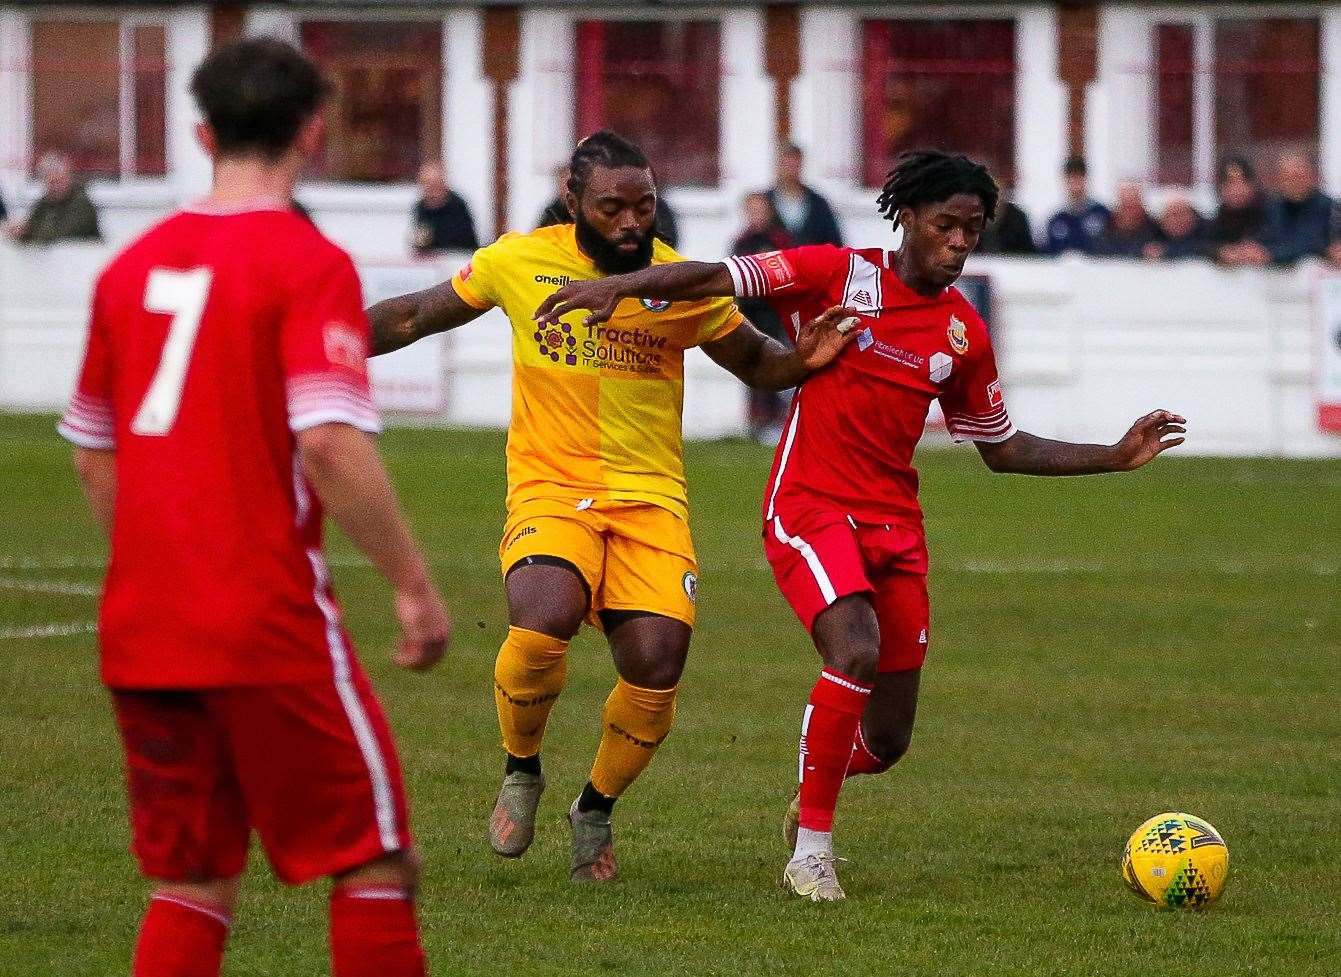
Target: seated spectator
(1130, 227)
(63, 212)
(800, 209)
(1079, 225)
(1182, 233)
(1009, 233)
(1235, 233)
(1299, 217)
(442, 221)
(762, 232)
(556, 211)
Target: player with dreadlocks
(842, 525)
(597, 514)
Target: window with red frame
(659, 84)
(1175, 46)
(98, 90)
(938, 84)
(1266, 87)
(384, 119)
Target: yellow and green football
(1176, 861)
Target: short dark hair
(927, 176)
(256, 94)
(1235, 162)
(1075, 166)
(607, 150)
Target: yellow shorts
(634, 556)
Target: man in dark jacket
(801, 211)
(63, 213)
(1009, 233)
(442, 221)
(1298, 218)
(1082, 222)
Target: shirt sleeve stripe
(737, 278)
(85, 439)
(1005, 435)
(367, 422)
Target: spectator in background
(1182, 233)
(1009, 233)
(1079, 225)
(4, 214)
(64, 212)
(1130, 227)
(1235, 233)
(1299, 216)
(556, 211)
(762, 232)
(442, 221)
(800, 210)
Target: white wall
(1085, 347)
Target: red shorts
(310, 766)
(837, 558)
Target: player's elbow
(327, 448)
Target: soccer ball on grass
(1176, 861)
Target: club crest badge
(958, 333)
(655, 305)
(690, 584)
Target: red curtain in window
(1266, 86)
(942, 84)
(659, 84)
(1175, 82)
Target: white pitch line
(56, 630)
(62, 587)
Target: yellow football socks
(528, 677)
(635, 722)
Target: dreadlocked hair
(605, 149)
(927, 176)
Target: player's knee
(559, 620)
(848, 637)
(656, 665)
(400, 869)
(220, 894)
(889, 746)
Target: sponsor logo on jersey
(994, 393)
(521, 535)
(958, 333)
(344, 346)
(922, 638)
(655, 305)
(900, 356)
(865, 339)
(777, 268)
(940, 367)
(690, 584)
(628, 349)
(560, 280)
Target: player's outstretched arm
(766, 364)
(346, 472)
(675, 281)
(1027, 454)
(97, 474)
(406, 318)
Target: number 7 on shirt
(182, 295)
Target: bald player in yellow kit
(597, 512)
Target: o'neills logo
(560, 280)
(627, 349)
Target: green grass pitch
(1104, 649)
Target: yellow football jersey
(596, 410)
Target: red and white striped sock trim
(838, 678)
(204, 908)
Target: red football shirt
(848, 447)
(213, 339)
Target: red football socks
(374, 933)
(827, 731)
(180, 938)
(863, 760)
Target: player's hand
(425, 628)
(1147, 438)
(819, 341)
(600, 296)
